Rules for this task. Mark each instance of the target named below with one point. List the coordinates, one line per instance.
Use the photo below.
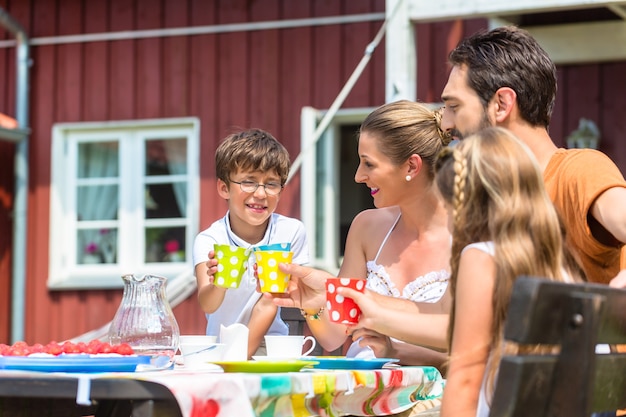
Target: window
(123, 199)
(330, 198)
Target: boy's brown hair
(251, 150)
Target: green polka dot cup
(231, 266)
(272, 279)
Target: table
(185, 393)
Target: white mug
(287, 346)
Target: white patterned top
(427, 288)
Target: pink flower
(91, 248)
(171, 246)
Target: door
(330, 198)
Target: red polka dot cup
(341, 309)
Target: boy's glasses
(271, 188)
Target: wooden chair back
(577, 381)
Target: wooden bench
(577, 381)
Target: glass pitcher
(145, 320)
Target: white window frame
(64, 271)
(319, 196)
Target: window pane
(166, 157)
(98, 159)
(165, 244)
(165, 201)
(97, 246)
(97, 202)
(166, 178)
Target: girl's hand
(620, 280)
(367, 302)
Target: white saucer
(277, 358)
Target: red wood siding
(7, 183)
(593, 91)
(229, 81)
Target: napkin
(235, 337)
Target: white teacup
(288, 346)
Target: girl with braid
(504, 225)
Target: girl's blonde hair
(496, 189)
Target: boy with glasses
(251, 170)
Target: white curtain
(98, 202)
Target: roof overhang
(429, 11)
(582, 40)
(13, 135)
(571, 31)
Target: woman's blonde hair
(496, 190)
(404, 128)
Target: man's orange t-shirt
(574, 178)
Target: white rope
(369, 50)
(184, 285)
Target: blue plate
(341, 362)
(73, 363)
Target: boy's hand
(211, 266)
(266, 304)
(256, 276)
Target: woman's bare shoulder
(374, 221)
(379, 215)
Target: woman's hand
(379, 343)
(306, 290)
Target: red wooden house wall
(229, 81)
(243, 79)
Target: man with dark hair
(504, 78)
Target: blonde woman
(402, 247)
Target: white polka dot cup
(232, 264)
(272, 279)
(342, 309)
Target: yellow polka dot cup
(231, 266)
(342, 309)
(272, 279)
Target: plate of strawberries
(94, 356)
